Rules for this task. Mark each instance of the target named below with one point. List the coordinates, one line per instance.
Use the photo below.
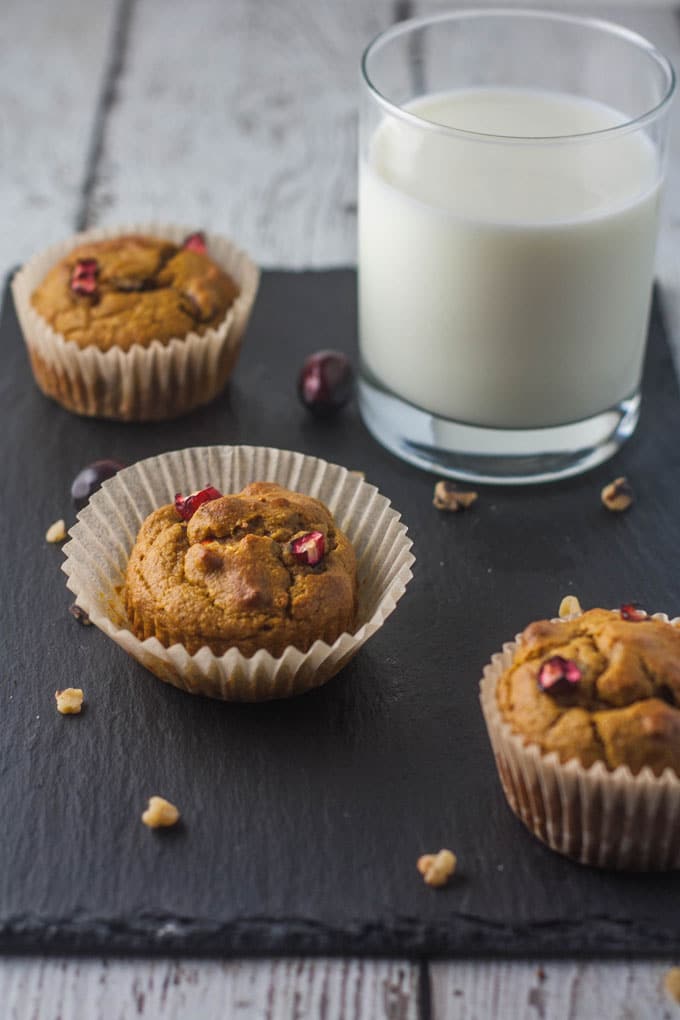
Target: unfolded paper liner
(608, 819)
(102, 538)
(144, 383)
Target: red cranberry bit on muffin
(84, 277)
(196, 242)
(630, 612)
(186, 506)
(558, 674)
(309, 549)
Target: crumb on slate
(69, 701)
(618, 495)
(448, 497)
(437, 869)
(160, 813)
(56, 532)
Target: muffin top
(264, 568)
(132, 290)
(604, 686)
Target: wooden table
(241, 115)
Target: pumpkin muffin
(133, 290)
(584, 718)
(264, 568)
(135, 326)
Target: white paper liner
(609, 819)
(101, 541)
(144, 383)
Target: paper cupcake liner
(159, 381)
(102, 539)
(609, 819)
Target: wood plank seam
(117, 52)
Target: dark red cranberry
(186, 506)
(309, 548)
(630, 612)
(325, 382)
(84, 277)
(196, 242)
(558, 674)
(90, 479)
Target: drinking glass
(510, 167)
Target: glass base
(497, 456)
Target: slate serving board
(303, 820)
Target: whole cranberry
(325, 382)
(90, 478)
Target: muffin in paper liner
(596, 816)
(102, 538)
(150, 383)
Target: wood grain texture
(214, 990)
(255, 137)
(50, 77)
(537, 990)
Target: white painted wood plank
(209, 990)
(242, 117)
(551, 991)
(50, 75)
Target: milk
(506, 283)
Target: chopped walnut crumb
(56, 532)
(160, 813)
(69, 701)
(671, 983)
(437, 869)
(618, 495)
(448, 497)
(569, 606)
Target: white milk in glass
(507, 283)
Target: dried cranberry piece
(325, 382)
(84, 277)
(196, 242)
(309, 549)
(630, 612)
(186, 506)
(558, 674)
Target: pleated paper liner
(144, 383)
(101, 541)
(609, 819)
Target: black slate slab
(303, 819)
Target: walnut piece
(618, 495)
(56, 532)
(69, 701)
(437, 869)
(569, 606)
(671, 983)
(448, 497)
(160, 813)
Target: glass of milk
(510, 167)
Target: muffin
(98, 555)
(136, 326)
(264, 568)
(584, 719)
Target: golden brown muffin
(265, 568)
(601, 687)
(133, 290)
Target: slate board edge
(461, 935)
(466, 937)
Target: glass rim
(584, 21)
